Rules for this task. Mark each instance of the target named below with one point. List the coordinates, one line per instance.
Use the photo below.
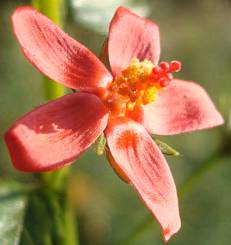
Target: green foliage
(12, 208)
(37, 223)
(46, 220)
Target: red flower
(136, 98)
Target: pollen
(149, 95)
(140, 83)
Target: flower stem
(184, 189)
(55, 183)
(55, 10)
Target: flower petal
(55, 53)
(131, 36)
(144, 165)
(182, 107)
(56, 133)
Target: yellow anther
(137, 70)
(135, 86)
(149, 95)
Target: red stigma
(162, 74)
(165, 66)
(175, 66)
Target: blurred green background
(108, 211)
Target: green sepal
(166, 149)
(100, 145)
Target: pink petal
(182, 107)
(55, 53)
(144, 165)
(56, 133)
(131, 36)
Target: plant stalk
(54, 10)
(55, 183)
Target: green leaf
(48, 220)
(96, 15)
(38, 227)
(26, 239)
(12, 208)
(166, 149)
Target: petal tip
(169, 232)
(121, 9)
(20, 9)
(220, 120)
(12, 144)
(9, 141)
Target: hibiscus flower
(136, 97)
